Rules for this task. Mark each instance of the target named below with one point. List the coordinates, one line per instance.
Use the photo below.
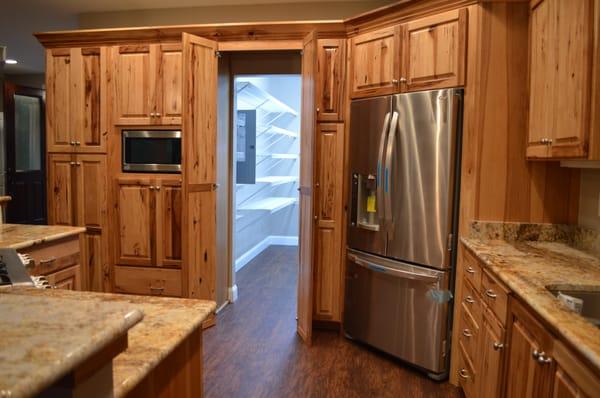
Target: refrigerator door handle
(391, 271)
(391, 143)
(380, 161)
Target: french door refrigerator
(404, 161)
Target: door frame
(10, 90)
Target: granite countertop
(167, 321)
(527, 267)
(21, 236)
(42, 341)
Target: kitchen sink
(590, 297)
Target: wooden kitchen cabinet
(530, 368)
(492, 350)
(328, 229)
(560, 98)
(149, 222)
(76, 86)
(67, 279)
(434, 51)
(375, 62)
(331, 67)
(77, 196)
(147, 84)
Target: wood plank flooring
(254, 351)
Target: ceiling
(19, 19)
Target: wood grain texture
(434, 50)
(169, 90)
(148, 281)
(168, 224)
(491, 359)
(331, 68)
(199, 135)
(307, 138)
(329, 172)
(61, 176)
(253, 351)
(68, 278)
(374, 62)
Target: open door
(307, 136)
(199, 177)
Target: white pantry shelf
(271, 204)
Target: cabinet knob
(470, 270)
(157, 187)
(395, 81)
(318, 109)
(498, 346)
(152, 114)
(490, 293)
(463, 373)
(469, 299)
(157, 114)
(403, 80)
(77, 143)
(467, 333)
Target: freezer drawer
(398, 308)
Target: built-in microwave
(152, 151)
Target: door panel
(58, 100)
(61, 179)
(492, 357)
(369, 124)
(420, 159)
(134, 83)
(168, 228)
(199, 136)
(95, 261)
(375, 62)
(331, 64)
(307, 134)
(434, 51)
(91, 190)
(136, 222)
(170, 89)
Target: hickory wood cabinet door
(530, 369)
(147, 84)
(434, 51)
(61, 200)
(331, 66)
(328, 209)
(375, 62)
(561, 41)
(491, 356)
(67, 279)
(76, 88)
(168, 225)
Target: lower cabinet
(68, 278)
(492, 351)
(148, 281)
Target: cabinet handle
(544, 360)
(464, 374)
(157, 187)
(467, 333)
(536, 354)
(72, 163)
(156, 289)
(498, 346)
(469, 299)
(403, 80)
(470, 270)
(490, 293)
(72, 143)
(77, 163)
(151, 187)
(395, 81)
(77, 143)
(157, 114)
(47, 261)
(152, 114)
(318, 109)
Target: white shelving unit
(271, 204)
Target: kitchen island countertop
(22, 236)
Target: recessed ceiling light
(10, 61)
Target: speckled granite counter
(21, 236)
(167, 321)
(527, 267)
(42, 341)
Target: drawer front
(148, 281)
(495, 295)
(472, 270)
(54, 256)
(467, 378)
(471, 299)
(67, 279)
(468, 333)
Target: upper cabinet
(375, 62)
(331, 66)
(561, 53)
(147, 84)
(427, 53)
(434, 50)
(76, 85)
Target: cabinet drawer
(67, 279)
(472, 300)
(468, 331)
(54, 256)
(148, 281)
(466, 375)
(495, 295)
(471, 269)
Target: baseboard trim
(279, 240)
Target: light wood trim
(260, 45)
(587, 381)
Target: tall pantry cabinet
(77, 130)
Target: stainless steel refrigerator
(404, 162)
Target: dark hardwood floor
(254, 351)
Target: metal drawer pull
(536, 354)
(490, 293)
(48, 261)
(469, 299)
(470, 270)
(498, 346)
(467, 333)
(544, 360)
(464, 374)
(157, 289)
